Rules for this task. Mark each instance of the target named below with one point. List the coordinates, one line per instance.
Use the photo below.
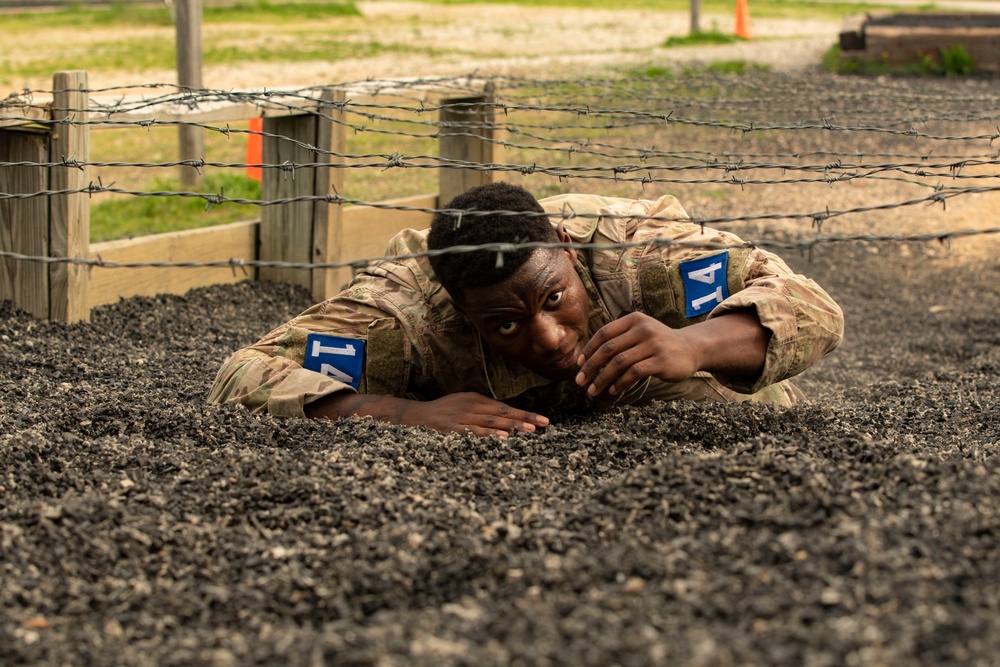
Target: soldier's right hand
(473, 413)
(466, 412)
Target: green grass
(950, 61)
(955, 61)
(704, 38)
(127, 215)
(138, 216)
(147, 54)
(266, 12)
(721, 66)
(81, 17)
(736, 67)
(652, 72)
(308, 49)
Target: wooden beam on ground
(367, 230)
(900, 38)
(237, 240)
(897, 45)
(69, 214)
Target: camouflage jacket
(416, 345)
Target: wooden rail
(58, 225)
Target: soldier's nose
(548, 335)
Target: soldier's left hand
(633, 348)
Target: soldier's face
(536, 317)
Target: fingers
(620, 373)
(480, 432)
(490, 417)
(515, 418)
(613, 363)
(500, 428)
(511, 420)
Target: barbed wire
(193, 97)
(940, 196)
(835, 172)
(724, 162)
(775, 95)
(634, 118)
(808, 244)
(519, 108)
(617, 171)
(768, 92)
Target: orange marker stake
(255, 149)
(742, 19)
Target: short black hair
(458, 271)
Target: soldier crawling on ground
(464, 342)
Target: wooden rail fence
(312, 232)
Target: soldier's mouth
(568, 361)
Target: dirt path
(490, 39)
(507, 40)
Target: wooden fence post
(69, 214)
(299, 231)
(482, 147)
(328, 220)
(24, 223)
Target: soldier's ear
(564, 237)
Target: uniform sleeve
(269, 376)
(804, 321)
(275, 385)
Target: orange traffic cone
(742, 19)
(255, 149)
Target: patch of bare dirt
(416, 39)
(507, 40)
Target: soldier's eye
(507, 328)
(556, 297)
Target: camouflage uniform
(420, 347)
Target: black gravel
(139, 525)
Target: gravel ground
(140, 526)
